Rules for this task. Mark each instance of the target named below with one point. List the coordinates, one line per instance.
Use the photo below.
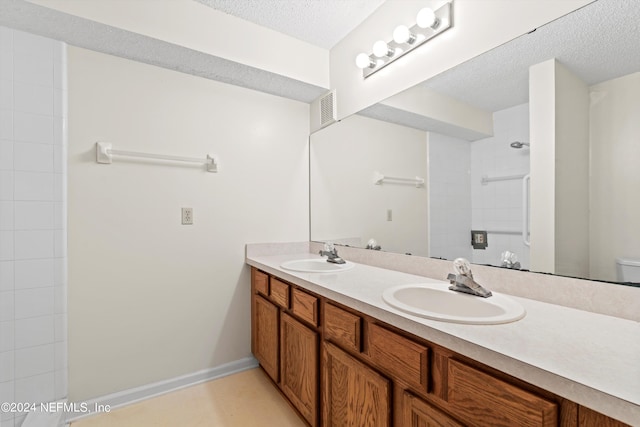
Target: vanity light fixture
(429, 23)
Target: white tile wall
(497, 206)
(33, 307)
(449, 197)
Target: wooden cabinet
(590, 418)
(299, 366)
(484, 400)
(340, 367)
(353, 394)
(418, 413)
(404, 358)
(265, 335)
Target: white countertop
(589, 358)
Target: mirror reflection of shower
(518, 144)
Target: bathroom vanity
(344, 357)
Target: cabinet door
(353, 394)
(264, 335)
(486, 401)
(418, 413)
(299, 366)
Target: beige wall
(559, 123)
(150, 299)
(346, 204)
(615, 173)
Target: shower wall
(497, 206)
(33, 339)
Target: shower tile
(34, 244)
(34, 215)
(34, 186)
(6, 336)
(39, 388)
(33, 69)
(34, 331)
(59, 301)
(29, 98)
(6, 124)
(34, 273)
(33, 302)
(6, 155)
(33, 361)
(61, 385)
(6, 246)
(32, 44)
(33, 157)
(6, 215)
(6, 275)
(38, 128)
(6, 306)
(6, 367)
(6, 395)
(6, 93)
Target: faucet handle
(462, 267)
(329, 247)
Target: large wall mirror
(534, 146)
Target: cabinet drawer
(304, 306)
(406, 359)
(342, 327)
(261, 282)
(484, 400)
(279, 293)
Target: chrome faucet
(332, 254)
(463, 281)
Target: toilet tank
(628, 270)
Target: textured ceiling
(599, 42)
(319, 22)
(80, 32)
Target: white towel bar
(485, 179)
(104, 154)
(379, 178)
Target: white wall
(478, 27)
(449, 197)
(32, 220)
(150, 299)
(615, 175)
(559, 120)
(346, 204)
(497, 206)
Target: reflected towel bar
(379, 178)
(104, 154)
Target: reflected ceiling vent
(328, 109)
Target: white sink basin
(315, 265)
(435, 301)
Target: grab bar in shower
(105, 153)
(526, 181)
(485, 179)
(379, 178)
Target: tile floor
(244, 399)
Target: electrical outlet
(389, 215)
(187, 216)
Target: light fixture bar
(422, 35)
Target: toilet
(628, 270)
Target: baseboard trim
(133, 395)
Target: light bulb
(363, 61)
(381, 49)
(402, 35)
(427, 18)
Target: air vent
(328, 109)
